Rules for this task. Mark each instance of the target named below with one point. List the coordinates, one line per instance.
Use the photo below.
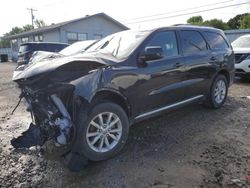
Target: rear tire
(105, 131)
(218, 92)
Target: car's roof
(188, 26)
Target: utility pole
(32, 15)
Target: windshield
(119, 45)
(76, 47)
(242, 42)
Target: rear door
(221, 52)
(196, 55)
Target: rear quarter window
(216, 40)
(23, 48)
(192, 42)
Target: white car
(241, 48)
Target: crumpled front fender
(88, 84)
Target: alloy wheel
(104, 132)
(220, 91)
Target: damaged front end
(51, 110)
(52, 90)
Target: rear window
(23, 48)
(216, 41)
(29, 47)
(42, 47)
(57, 47)
(192, 42)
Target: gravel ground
(191, 147)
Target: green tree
(245, 23)
(4, 43)
(40, 23)
(235, 22)
(14, 31)
(196, 20)
(216, 23)
(27, 27)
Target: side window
(192, 42)
(216, 40)
(167, 41)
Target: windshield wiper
(99, 47)
(106, 52)
(118, 47)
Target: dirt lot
(191, 147)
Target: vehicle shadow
(159, 141)
(156, 148)
(242, 81)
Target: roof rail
(182, 24)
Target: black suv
(92, 99)
(26, 50)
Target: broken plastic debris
(235, 180)
(29, 138)
(64, 125)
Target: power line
(184, 14)
(52, 4)
(182, 10)
(32, 15)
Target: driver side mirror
(152, 53)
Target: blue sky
(15, 12)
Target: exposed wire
(184, 14)
(182, 10)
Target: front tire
(105, 132)
(218, 92)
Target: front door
(163, 78)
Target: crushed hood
(43, 55)
(46, 66)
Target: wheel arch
(112, 96)
(225, 73)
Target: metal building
(91, 27)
